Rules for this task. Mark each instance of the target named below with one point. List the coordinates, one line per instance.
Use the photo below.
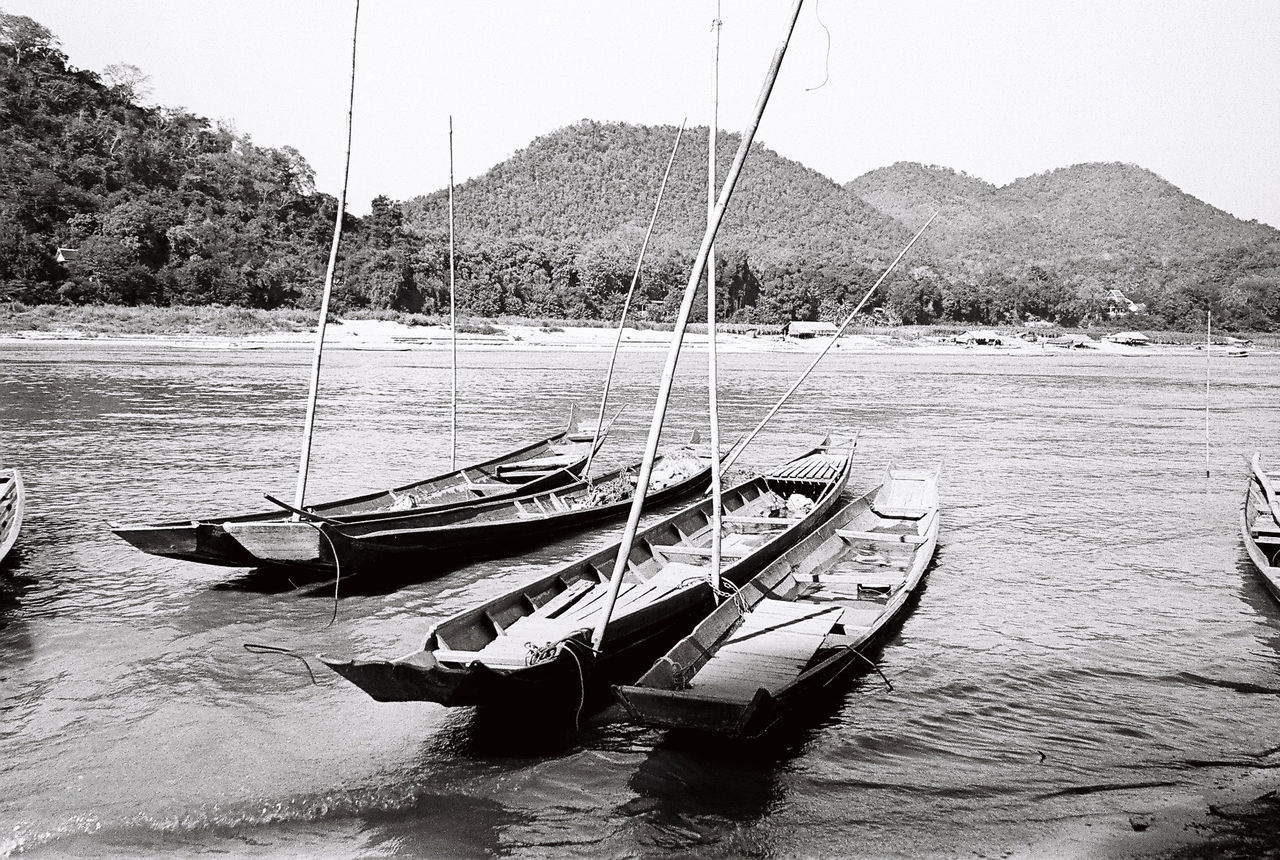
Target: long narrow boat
(801, 622)
(423, 538)
(551, 462)
(12, 502)
(531, 646)
(1260, 524)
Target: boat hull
(569, 670)
(665, 697)
(1260, 529)
(206, 540)
(12, 506)
(359, 548)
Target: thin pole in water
(1208, 351)
(733, 457)
(682, 321)
(453, 325)
(713, 406)
(309, 425)
(626, 305)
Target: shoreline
(391, 336)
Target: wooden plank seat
(761, 521)
(670, 550)
(731, 546)
(880, 579)
(559, 601)
(881, 537)
(672, 577)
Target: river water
(1091, 640)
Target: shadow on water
(277, 580)
(685, 794)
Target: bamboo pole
(309, 424)
(453, 325)
(1208, 350)
(713, 405)
(682, 320)
(626, 305)
(733, 456)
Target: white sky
(998, 89)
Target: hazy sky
(998, 89)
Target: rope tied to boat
(566, 646)
(337, 567)
(870, 663)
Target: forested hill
(1099, 210)
(1058, 240)
(590, 180)
(105, 199)
(143, 204)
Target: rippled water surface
(1090, 636)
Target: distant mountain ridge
(589, 180)
(1098, 210)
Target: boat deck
(776, 641)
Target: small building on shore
(1129, 338)
(983, 337)
(804, 330)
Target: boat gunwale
(16, 490)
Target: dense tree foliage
(104, 199)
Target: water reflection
(690, 797)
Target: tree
(130, 82)
(26, 39)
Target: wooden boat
(12, 502)
(1260, 524)
(801, 622)
(551, 462)
(488, 529)
(531, 646)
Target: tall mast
(309, 424)
(626, 305)
(677, 340)
(453, 325)
(713, 407)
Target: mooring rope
(868, 661)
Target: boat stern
(282, 542)
(686, 710)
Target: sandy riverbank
(386, 335)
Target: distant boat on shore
(1128, 338)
